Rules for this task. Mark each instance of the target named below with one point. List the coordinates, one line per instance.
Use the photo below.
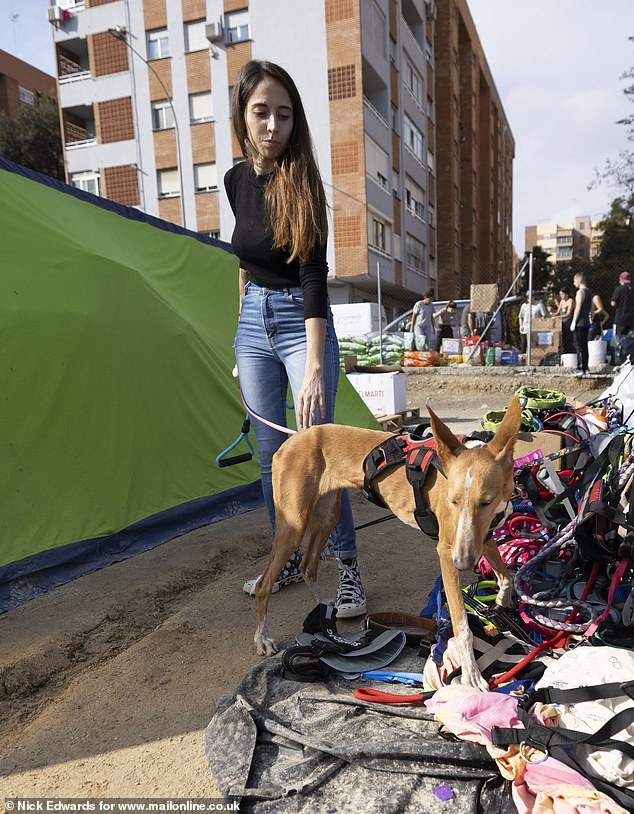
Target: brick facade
(345, 157)
(198, 74)
(165, 155)
(343, 39)
(238, 54)
(114, 120)
(342, 82)
(170, 210)
(107, 54)
(207, 212)
(121, 184)
(163, 68)
(194, 10)
(15, 74)
(235, 5)
(154, 14)
(474, 155)
(203, 143)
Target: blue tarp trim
(104, 203)
(25, 579)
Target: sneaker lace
(350, 588)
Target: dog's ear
(447, 445)
(502, 443)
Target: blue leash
(245, 456)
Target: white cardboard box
(383, 393)
(355, 319)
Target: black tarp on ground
(287, 747)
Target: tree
(32, 138)
(543, 270)
(618, 231)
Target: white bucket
(597, 350)
(569, 360)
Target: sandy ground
(107, 683)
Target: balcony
(72, 61)
(368, 104)
(79, 127)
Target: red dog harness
(418, 455)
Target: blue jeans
(271, 353)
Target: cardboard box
(383, 393)
(356, 318)
(544, 442)
(451, 347)
(545, 335)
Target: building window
(195, 39)
(215, 235)
(26, 96)
(379, 233)
(237, 26)
(157, 43)
(413, 138)
(379, 28)
(413, 82)
(376, 163)
(87, 181)
(415, 254)
(168, 183)
(162, 115)
(205, 177)
(395, 124)
(414, 199)
(200, 107)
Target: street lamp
(120, 32)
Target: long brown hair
(294, 196)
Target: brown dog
(311, 469)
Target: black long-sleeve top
(252, 241)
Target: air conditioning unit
(213, 31)
(55, 15)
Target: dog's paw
(504, 598)
(473, 678)
(265, 647)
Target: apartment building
(20, 83)
(144, 88)
(565, 241)
(475, 151)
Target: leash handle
(380, 697)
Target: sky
(556, 65)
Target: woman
(446, 317)
(285, 330)
(422, 319)
(564, 310)
(599, 318)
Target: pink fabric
(549, 787)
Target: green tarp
(115, 361)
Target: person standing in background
(580, 325)
(422, 323)
(564, 311)
(623, 301)
(599, 317)
(446, 317)
(537, 310)
(285, 330)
